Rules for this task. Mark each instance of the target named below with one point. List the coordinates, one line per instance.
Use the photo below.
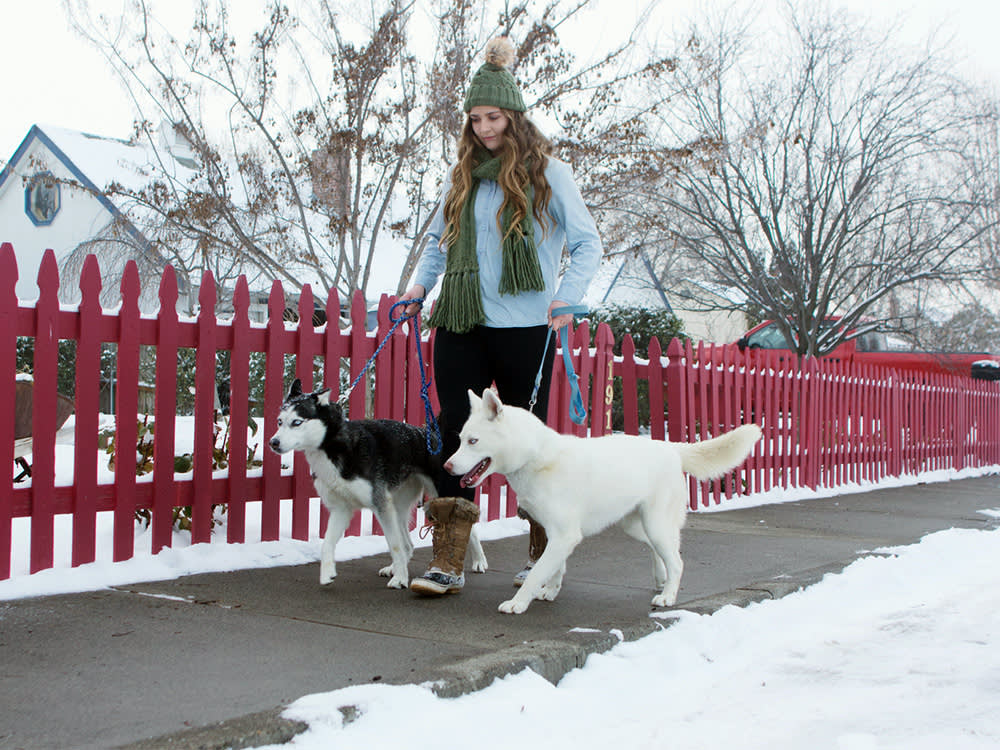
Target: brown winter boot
(536, 546)
(451, 519)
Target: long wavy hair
(523, 154)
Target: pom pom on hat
(499, 52)
(492, 84)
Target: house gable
(32, 223)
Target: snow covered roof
(96, 162)
(727, 293)
(630, 281)
(620, 281)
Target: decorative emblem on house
(42, 198)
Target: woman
(509, 210)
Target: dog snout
(275, 444)
(449, 466)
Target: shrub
(643, 325)
(641, 322)
(183, 463)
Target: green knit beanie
(493, 85)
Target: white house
(629, 280)
(52, 195)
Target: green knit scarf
(459, 307)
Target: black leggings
(475, 360)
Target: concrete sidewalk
(208, 661)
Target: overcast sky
(56, 78)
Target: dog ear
(322, 397)
(295, 390)
(474, 400)
(492, 403)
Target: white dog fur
(576, 487)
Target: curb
(551, 659)
(761, 591)
(252, 730)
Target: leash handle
(578, 311)
(577, 411)
(406, 316)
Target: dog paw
(512, 607)
(479, 566)
(327, 569)
(398, 583)
(664, 601)
(548, 593)
(386, 572)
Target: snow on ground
(900, 650)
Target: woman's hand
(560, 320)
(414, 292)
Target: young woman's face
(488, 123)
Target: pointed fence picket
(9, 315)
(165, 407)
(825, 423)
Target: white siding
(80, 217)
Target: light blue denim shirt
(570, 225)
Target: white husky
(576, 487)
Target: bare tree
(983, 162)
(325, 138)
(820, 170)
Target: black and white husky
(379, 464)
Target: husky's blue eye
(473, 441)
(296, 422)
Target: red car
(873, 348)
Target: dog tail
(709, 459)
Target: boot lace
(429, 525)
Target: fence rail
(825, 423)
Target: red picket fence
(825, 424)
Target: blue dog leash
(434, 448)
(577, 411)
